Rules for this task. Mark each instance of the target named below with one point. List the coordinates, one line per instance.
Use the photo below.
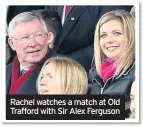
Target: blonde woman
(62, 75)
(114, 54)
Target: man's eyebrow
(48, 73)
(102, 32)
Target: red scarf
(108, 68)
(16, 81)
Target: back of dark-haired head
(52, 21)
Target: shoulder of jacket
(131, 70)
(9, 66)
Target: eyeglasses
(37, 36)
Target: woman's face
(132, 97)
(47, 81)
(112, 38)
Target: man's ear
(50, 39)
(11, 43)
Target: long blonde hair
(69, 74)
(127, 57)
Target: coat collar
(96, 78)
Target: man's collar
(21, 68)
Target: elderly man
(31, 35)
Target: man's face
(33, 50)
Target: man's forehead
(32, 22)
(30, 26)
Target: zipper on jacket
(101, 90)
(102, 87)
(105, 84)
